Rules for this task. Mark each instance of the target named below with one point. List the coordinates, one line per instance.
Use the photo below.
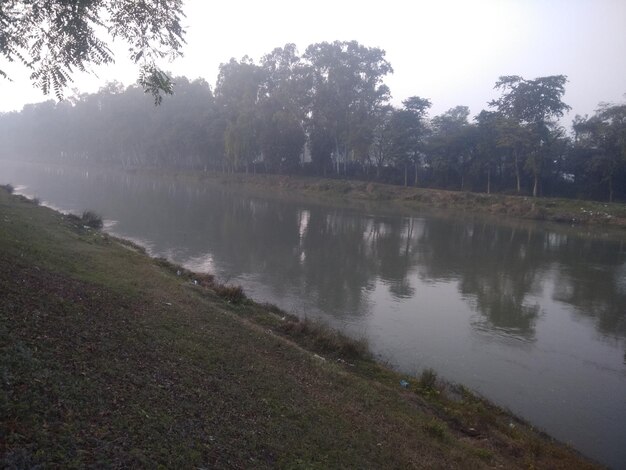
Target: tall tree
(237, 96)
(535, 104)
(451, 146)
(282, 107)
(514, 137)
(380, 151)
(409, 129)
(487, 141)
(346, 89)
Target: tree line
(327, 112)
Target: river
(531, 316)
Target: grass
(437, 429)
(109, 358)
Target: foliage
(451, 147)
(282, 106)
(236, 95)
(601, 143)
(488, 147)
(54, 38)
(408, 132)
(534, 105)
(531, 101)
(346, 90)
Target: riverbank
(559, 210)
(112, 358)
(365, 195)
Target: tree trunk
(406, 174)
(488, 180)
(337, 154)
(536, 183)
(415, 180)
(517, 175)
(610, 188)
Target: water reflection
(498, 268)
(596, 289)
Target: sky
(450, 51)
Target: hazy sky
(449, 51)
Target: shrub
(233, 294)
(91, 219)
(428, 379)
(320, 338)
(205, 280)
(8, 188)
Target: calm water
(532, 318)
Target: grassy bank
(569, 211)
(111, 358)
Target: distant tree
(380, 151)
(237, 95)
(488, 128)
(282, 107)
(116, 126)
(281, 135)
(54, 38)
(602, 138)
(408, 129)
(514, 138)
(451, 146)
(346, 89)
(535, 104)
(322, 145)
(240, 140)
